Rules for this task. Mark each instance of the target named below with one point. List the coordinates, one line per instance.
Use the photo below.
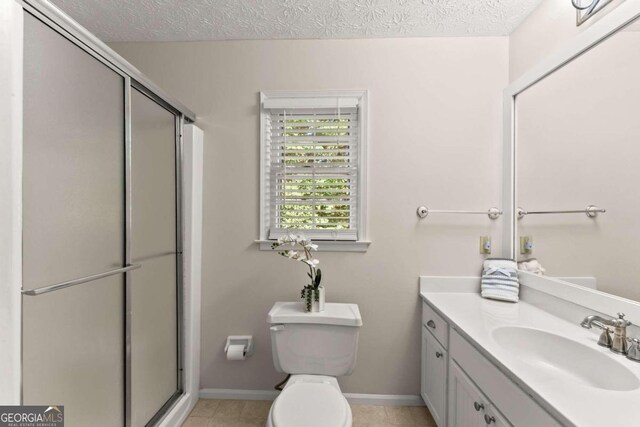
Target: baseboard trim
(354, 398)
(228, 393)
(384, 399)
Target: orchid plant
(310, 292)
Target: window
(313, 167)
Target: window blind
(312, 156)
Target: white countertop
(570, 400)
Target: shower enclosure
(102, 256)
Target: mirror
(578, 145)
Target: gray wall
(435, 139)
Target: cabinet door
(434, 377)
(467, 405)
(494, 419)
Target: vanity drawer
(435, 324)
(520, 409)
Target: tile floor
(253, 413)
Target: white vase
(317, 306)
(321, 298)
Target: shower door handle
(81, 280)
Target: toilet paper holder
(244, 340)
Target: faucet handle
(633, 353)
(605, 339)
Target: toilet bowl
(310, 401)
(314, 348)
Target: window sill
(325, 245)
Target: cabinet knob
(489, 419)
(438, 354)
(431, 324)
(478, 406)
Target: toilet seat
(314, 404)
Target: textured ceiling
(180, 20)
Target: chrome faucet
(619, 342)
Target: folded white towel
(532, 265)
(500, 280)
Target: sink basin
(566, 358)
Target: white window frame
(361, 243)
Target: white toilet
(314, 348)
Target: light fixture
(585, 9)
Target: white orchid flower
(312, 262)
(303, 255)
(311, 246)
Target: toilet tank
(324, 343)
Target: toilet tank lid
(333, 314)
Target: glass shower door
(103, 343)
(154, 244)
(73, 227)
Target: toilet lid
(310, 405)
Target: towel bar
(492, 213)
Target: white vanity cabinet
(462, 388)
